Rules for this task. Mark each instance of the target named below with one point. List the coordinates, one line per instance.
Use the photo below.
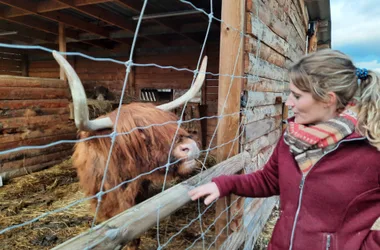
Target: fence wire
(112, 136)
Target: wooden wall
(12, 63)
(277, 37)
(33, 111)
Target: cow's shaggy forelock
(150, 150)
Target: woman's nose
(289, 102)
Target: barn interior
(35, 102)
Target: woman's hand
(209, 189)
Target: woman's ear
(331, 99)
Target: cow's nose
(193, 151)
(185, 149)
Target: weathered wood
(27, 170)
(38, 141)
(313, 40)
(260, 84)
(257, 129)
(12, 113)
(33, 104)
(39, 121)
(62, 46)
(33, 134)
(262, 32)
(12, 93)
(263, 98)
(25, 66)
(135, 221)
(256, 66)
(255, 217)
(265, 52)
(34, 152)
(255, 146)
(231, 59)
(7, 166)
(261, 112)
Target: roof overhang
(319, 10)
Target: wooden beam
(102, 14)
(47, 6)
(38, 24)
(136, 7)
(26, 32)
(62, 48)
(69, 20)
(130, 224)
(231, 47)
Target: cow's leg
(128, 198)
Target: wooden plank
(130, 224)
(263, 98)
(231, 59)
(256, 66)
(38, 141)
(12, 113)
(257, 129)
(62, 47)
(33, 134)
(262, 32)
(13, 173)
(258, 144)
(12, 93)
(34, 152)
(261, 112)
(6, 105)
(260, 84)
(264, 52)
(7, 166)
(39, 121)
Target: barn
(239, 110)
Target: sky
(356, 30)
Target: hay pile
(27, 197)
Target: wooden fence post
(231, 53)
(62, 47)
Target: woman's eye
(297, 97)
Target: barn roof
(104, 24)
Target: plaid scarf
(309, 143)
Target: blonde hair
(332, 71)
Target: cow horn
(78, 94)
(191, 92)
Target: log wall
(277, 37)
(33, 111)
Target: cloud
(356, 30)
(373, 65)
(355, 22)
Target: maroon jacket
(332, 208)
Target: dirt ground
(27, 197)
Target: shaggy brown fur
(133, 154)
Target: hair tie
(362, 74)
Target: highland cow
(136, 151)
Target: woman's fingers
(210, 190)
(211, 198)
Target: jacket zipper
(302, 184)
(328, 242)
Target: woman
(326, 166)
